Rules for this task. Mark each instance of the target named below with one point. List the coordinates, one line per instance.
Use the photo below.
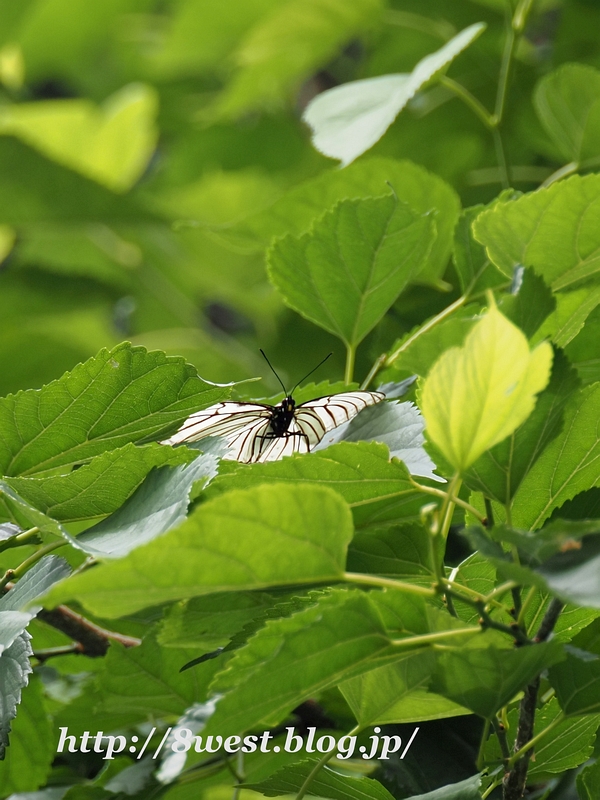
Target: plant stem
(19, 539)
(318, 767)
(93, 640)
(52, 652)
(350, 356)
(525, 606)
(563, 172)
(550, 619)
(379, 362)
(484, 737)
(489, 790)
(500, 590)
(432, 638)
(456, 500)
(515, 780)
(500, 732)
(240, 775)
(388, 583)
(470, 100)
(451, 500)
(447, 312)
(534, 740)
(507, 55)
(11, 574)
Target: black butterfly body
(260, 432)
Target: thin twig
(516, 778)
(93, 639)
(500, 732)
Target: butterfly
(257, 432)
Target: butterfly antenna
(276, 375)
(311, 372)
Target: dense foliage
(167, 179)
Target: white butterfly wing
(316, 417)
(223, 419)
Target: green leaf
(12, 625)
(15, 610)
(111, 144)
(476, 572)
(399, 551)
(553, 230)
(566, 467)
(100, 487)
(566, 102)
(265, 536)
(423, 191)
(575, 574)
(530, 304)
(288, 45)
(146, 680)
(397, 425)
(157, 506)
(417, 354)
(465, 790)
(36, 582)
(577, 682)
(352, 265)
(14, 508)
(36, 190)
(486, 678)
(588, 782)
(571, 742)
(349, 119)
(292, 658)
(499, 472)
(14, 671)
(376, 489)
(210, 622)
(476, 396)
(31, 751)
(397, 693)
(583, 351)
(327, 783)
(572, 310)
(475, 270)
(119, 396)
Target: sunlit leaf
(119, 396)
(553, 230)
(349, 119)
(111, 145)
(475, 396)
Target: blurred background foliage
(137, 136)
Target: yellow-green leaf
(476, 395)
(111, 144)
